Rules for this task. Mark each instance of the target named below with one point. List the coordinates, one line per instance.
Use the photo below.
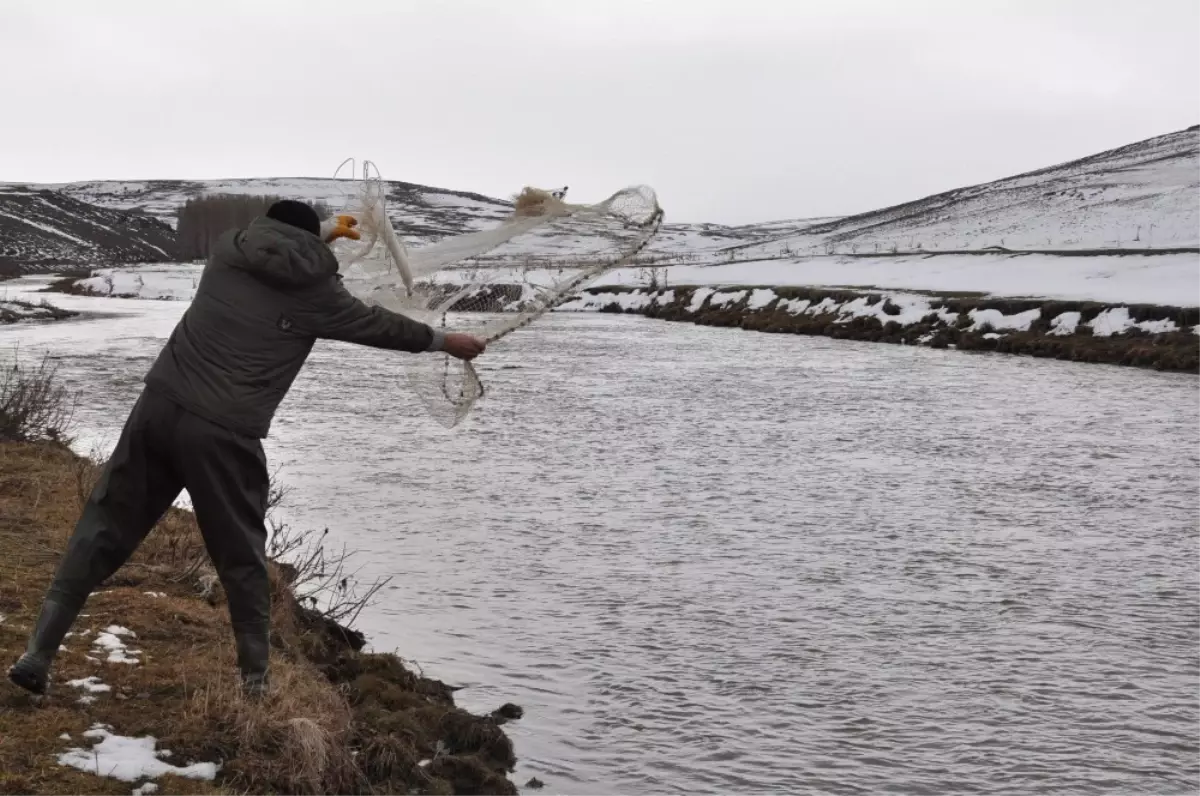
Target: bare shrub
(33, 405)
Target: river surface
(706, 560)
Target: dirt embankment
(1138, 335)
(338, 720)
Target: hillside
(1010, 237)
(421, 213)
(1140, 196)
(42, 228)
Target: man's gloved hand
(339, 227)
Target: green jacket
(266, 295)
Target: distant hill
(43, 229)
(1143, 195)
(421, 213)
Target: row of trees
(203, 219)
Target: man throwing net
(266, 295)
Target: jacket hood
(277, 253)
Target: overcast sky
(733, 111)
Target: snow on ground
(902, 308)
(1169, 279)
(163, 282)
(108, 642)
(1116, 320)
(624, 300)
(92, 685)
(1020, 322)
(1142, 195)
(129, 759)
(45, 228)
(19, 311)
(1065, 323)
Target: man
(267, 294)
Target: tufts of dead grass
(337, 720)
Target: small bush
(33, 405)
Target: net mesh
(491, 282)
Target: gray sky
(733, 111)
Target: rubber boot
(32, 670)
(254, 653)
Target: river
(706, 560)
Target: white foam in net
(491, 282)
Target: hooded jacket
(267, 294)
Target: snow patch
(1065, 323)
(760, 298)
(722, 299)
(1158, 327)
(998, 320)
(1110, 322)
(145, 790)
(91, 684)
(128, 759)
(109, 641)
(699, 297)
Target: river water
(706, 560)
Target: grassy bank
(338, 720)
(15, 310)
(1137, 335)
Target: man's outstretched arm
(335, 314)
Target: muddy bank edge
(1137, 335)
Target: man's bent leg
(135, 487)
(226, 475)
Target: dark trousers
(162, 450)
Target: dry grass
(337, 721)
(33, 405)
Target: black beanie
(298, 214)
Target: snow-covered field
(1171, 279)
(1167, 279)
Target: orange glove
(339, 227)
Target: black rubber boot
(32, 670)
(254, 653)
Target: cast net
(490, 282)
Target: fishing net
(491, 282)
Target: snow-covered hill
(45, 228)
(421, 213)
(1142, 196)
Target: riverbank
(1139, 335)
(18, 310)
(145, 694)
